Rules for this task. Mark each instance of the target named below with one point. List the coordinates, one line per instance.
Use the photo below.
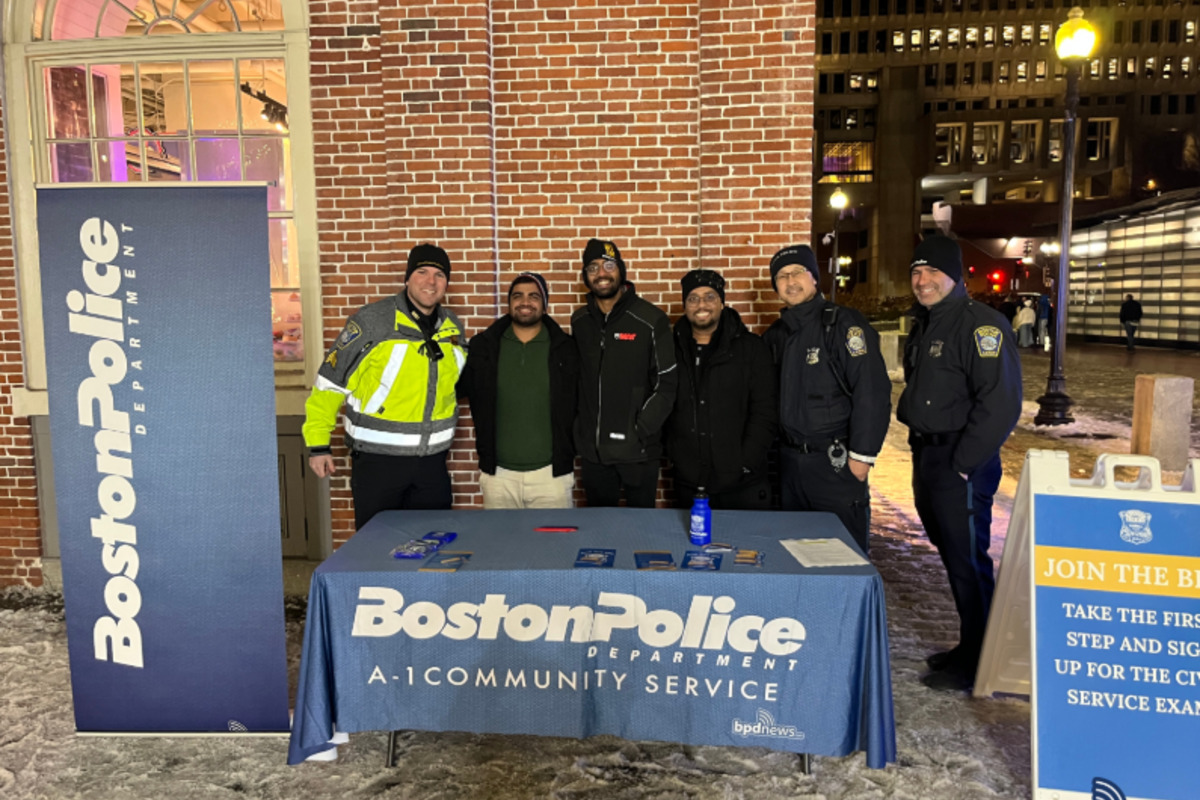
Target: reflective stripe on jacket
(397, 400)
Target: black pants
(957, 515)
(602, 483)
(808, 482)
(749, 497)
(387, 483)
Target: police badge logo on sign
(988, 340)
(856, 343)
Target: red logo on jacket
(624, 337)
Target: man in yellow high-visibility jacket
(394, 366)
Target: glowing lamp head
(1076, 38)
(838, 200)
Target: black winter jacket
(479, 381)
(964, 376)
(627, 379)
(726, 410)
(813, 403)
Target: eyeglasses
(790, 274)
(710, 299)
(606, 266)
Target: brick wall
(509, 134)
(20, 541)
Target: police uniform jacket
(814, 406)
(963, 377)
(627, 379)
(398, 400)
(726, 409)
(480, 381)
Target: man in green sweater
(522, 378)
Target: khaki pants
(534, 489)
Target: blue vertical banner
(156, 306)
(1116, 583)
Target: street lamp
(1074, 42)
(837, 201)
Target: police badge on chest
(814, 355)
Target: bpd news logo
(1104, 789)
(765, 725)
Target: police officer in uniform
(961, 401)
(835, 397)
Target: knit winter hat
(427, 255)
(940, 252)
(531, 277)
(800, 254)
(702, 277)
(598, 248)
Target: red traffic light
(997, 277)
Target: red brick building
(507, 132)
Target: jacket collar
(622, 303)
(730, 328)
(795, 316)
(956, 299)
(446, 325)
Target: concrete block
(1162, 419)
(892, 345)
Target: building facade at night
(506, 132)
(961, 101)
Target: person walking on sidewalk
(1024, 322)
(727, 407)
(835, 397)
(626, 385)
(1131, 317)
(961, 401)
(522, 380)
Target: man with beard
(627, 383)
(522, 380)
(835, 397)
(961, 400)
(394, 366)
(726, 409)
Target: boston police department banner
(1116, 595)
(156, 304)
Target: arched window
(174, 90)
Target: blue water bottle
(701, 527)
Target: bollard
(1162, 419)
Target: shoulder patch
(348, 334)
(856, 342)
(988, 339)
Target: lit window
(856, 81)
(1027, 33)
(1185, 66)
(1166, 71)
(935, 38)
(1101, 134)
(1003, 76)
(985, 142)
(898, 41)
(1008, 34)
(948, 143)
(914, 38)
(1039, 71)
(989, 35)
(1022, 71)
(1044, 31)
(1054, 140)
(952, 35)
(70, 20)
(1023, 141)
(1189, 31)
(1131, 67)
(851, 119)
(1114, 68)
(1150, 66)
(847, 162)
(872, 81)
(971, 37)
(1095, 69)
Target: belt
(813, 445)
(933, 439)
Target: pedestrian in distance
(834, 396)
(1131, 317)
(1024, 322)
(1043, 319)
(961, 401)
(522, 382)
(726, 407)
(627, 383)
(393, 368)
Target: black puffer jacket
(479, 381)
(627, 379)
(726, 409)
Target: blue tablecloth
(520, 641)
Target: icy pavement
(950, 746)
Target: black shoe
(957, 679)
(942, 660)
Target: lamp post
(1074, 42)
(837, 201)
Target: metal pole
(837, 218)
(1054, 407)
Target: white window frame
(23, 88)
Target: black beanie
(531, 277)
(800, 254)
(598, 248)
(702, 277)
(427, 255)
(940, 252)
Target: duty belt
(813, 445)
(933, 439)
